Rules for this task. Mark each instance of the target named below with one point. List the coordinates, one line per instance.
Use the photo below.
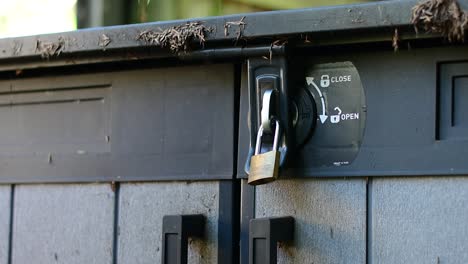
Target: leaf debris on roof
(177, 38)
(50, 49)
(440, 16)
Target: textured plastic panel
(330, 218)
(419, 220)
(142, 208)
(153, 124)
(57, 120)
(63, 224)
(5, 191)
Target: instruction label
(341, 113)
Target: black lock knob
(303, 115)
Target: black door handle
(264, 235)
(176, 230)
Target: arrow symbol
(323, 117)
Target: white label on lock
(336, 118)
(325, 80)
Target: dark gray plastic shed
(114, 149)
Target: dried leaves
(177, 38)
(50, 49)
(440, 16)
(104, 40)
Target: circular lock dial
(304, 116)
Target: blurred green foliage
(95, 13)
(154, 10)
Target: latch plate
(265, 74)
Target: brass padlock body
(264, 167)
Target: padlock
(325, 80)
(264, 167)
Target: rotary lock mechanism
(321, 120)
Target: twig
(241, 24)
(395, 40)
(277, 43)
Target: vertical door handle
(264, 235)
(176, 231)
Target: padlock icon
(325, 80)
(336, 118)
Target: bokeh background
(30, 17)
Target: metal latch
(269, 118)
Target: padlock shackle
(268, 102)
(258, 144)
(276, 136)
